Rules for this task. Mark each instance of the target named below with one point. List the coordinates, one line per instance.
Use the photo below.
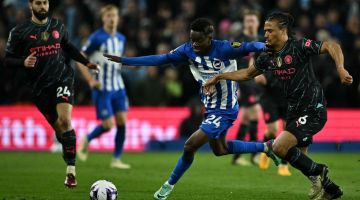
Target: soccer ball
(103, 190)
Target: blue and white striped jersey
(220, 59)
(102, 42)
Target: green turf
(40, 176)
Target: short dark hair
(285, 20)
(252, 12)
(203, 25)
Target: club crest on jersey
(278, 61)
(55, 34)
(235, 44)
(45, 36)
(288, 59)
(217, 64)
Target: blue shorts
(217, 122)
(109, 103)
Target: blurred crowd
(158, 26)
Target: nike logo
(33, 37)
(305, 138)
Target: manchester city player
(207, 57)
(38, 46)
(108, 90)
(289, 60)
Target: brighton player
(108, 90)
(289, 60)
(38, 46)
(207, 57)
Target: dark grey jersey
(49, 41)
(293, 68)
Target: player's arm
(236, 50)
(175, 56)
(240, 75)
(334, 50)
(87, 76)
(152, 60)
(75, 54)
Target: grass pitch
(40, 176)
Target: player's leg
(104, 113)
(68, 140)
(195, 141)
(285, 147)
(316, 186)
(254, 111)
(271, 130)
(240, 135)
(120, 106)
(119, 141)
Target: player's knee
(107, 125)
(64, 123)
(279, 149)
(188, 149)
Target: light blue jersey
(102, 42)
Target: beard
(41, 15)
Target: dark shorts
(60, 92)
(305, 125)
(249, 95)
(272, 109)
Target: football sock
(58, 137)
(253, 129)
(237, 146)
(240, 136)
(69, 147)
(96, 132)
(119, 141)
(181, 166)
(303, 163)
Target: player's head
(110, 16)
(251, 21)
(201, 31)
(278, 28)
(39, 8)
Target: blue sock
(237, 146)
(181, 166)
(119, 141)
(96, 132)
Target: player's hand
(345, 77)
(209, 85)
(113, 58)
(95, 84)
(30, 60)
(94, 67)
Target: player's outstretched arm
(240, 75)
(237, 50)
(334, 50)
(152, 60)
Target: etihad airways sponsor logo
(284, 74)
(46, 50)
